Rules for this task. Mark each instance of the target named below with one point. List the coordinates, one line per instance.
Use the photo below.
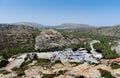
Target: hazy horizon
(56, 12)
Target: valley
(58, 53)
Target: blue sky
(55, 12)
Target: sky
(55, 12)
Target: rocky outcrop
(66, 71)
(51, 38)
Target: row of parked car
(81, 55)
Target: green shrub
(5, 55)
(51, 49)
(105, 73)
(48, 76)
(3, 63)
(20, 71)
(4, 72)
(25, 63)
(14, 69)
(42, 61)
(76, 63)
(21, 74)
(115, 66)
(25, 50)
(58, 61)
(61, 72)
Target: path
(16, 63)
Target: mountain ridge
(83, 28)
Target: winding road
(93, 51)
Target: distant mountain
(62, 26)
(84, 28)
(37, 25)
(72, 26)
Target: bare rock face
(49, 39)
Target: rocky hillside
(108, 31)
(14, 37)
(72, 26)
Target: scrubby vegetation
(4, 72)
(26, 63)
(106, 50)
(5, 55)
(48, 76)
(52, 49)
(3, 63)
(21, 74)
(105, 73)
(20, 71)
(61, 72)
(77, 46)
(16, 51)
(47, 63)
(115, 66)
(75, 63)
(42, 61)
(25, 50)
